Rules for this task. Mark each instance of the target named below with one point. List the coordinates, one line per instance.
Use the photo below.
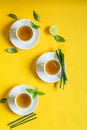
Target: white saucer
(19, 44)
(39, 69)
(21, 111)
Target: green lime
(53, 30)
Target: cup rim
(16, 33)
(20, 94)
(47, 72)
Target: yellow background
(58, 109)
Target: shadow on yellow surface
(33, 66)
(5, 32)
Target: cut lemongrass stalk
(13, 126)
(25, 119)
(63, 78)
(19, 118)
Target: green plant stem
(63, 77)
(22, 122)
(19, 119)
(25, 119)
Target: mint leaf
(13, 16)
(36, 16)
(34, 92)
(34, 25)
(40, 93)
(29, 90)
(34, 95)
(59, 38)
(3, 100)
(12, 50)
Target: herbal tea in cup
(24, 33)
(23, 100)
(52, 67)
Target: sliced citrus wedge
(53, 30)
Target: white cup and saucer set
(23, 35)
(48, 67)
(20, 101)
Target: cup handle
(42, 65)
(14, 30)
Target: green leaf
(12, 50)
(36, 16)
(3, 100)
(34, 25)
(40, 93)
(34, 95)
(13, 16)
(29, 90)
(34, 92)
(59, 38)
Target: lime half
(53, 30)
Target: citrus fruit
(53, 30)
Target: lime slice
(53, 30)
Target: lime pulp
(53, 30)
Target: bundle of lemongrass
(63, 78)
(22, 120)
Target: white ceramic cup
(30, 98)
(17, 36)
(44, 67)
